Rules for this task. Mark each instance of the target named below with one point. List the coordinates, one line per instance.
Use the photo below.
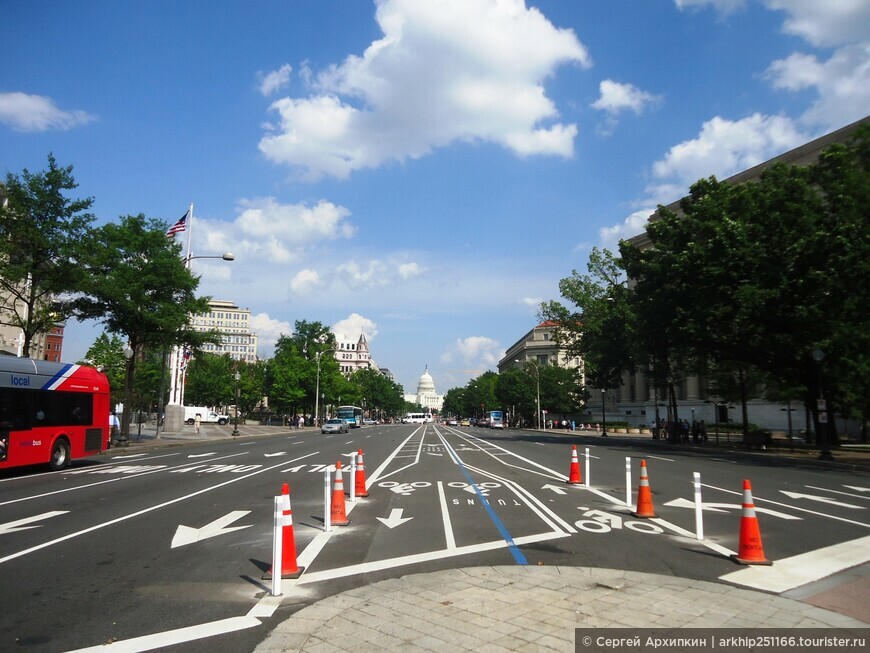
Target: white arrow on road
(555, 488)
(725, 507)
(858, 488)
(395, 518)
(272, 455)
(187, 535)
(21, 524)
(132, 455)
(202, 455)
(813, 497)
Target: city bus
(351, 414)
(51, 413)
(495, 419)
(416, 418)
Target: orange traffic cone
(750, 551)
(644, 495)
(360, 488)
(574, 474)
(337, 513)
(289, 566)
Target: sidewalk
(524, 608)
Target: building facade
(353, 356)
(538, 346)
(426, 396)
(234, 325)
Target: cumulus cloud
(273, 232)
(473, 352)
(268, 331)
(376, 273)
(825, 24)
(409, 270)
(305, 281)
(454, 70)
(534, 302)
(37, 113)
(725, 147)
(616, 97)
(276, 80)
(350, 328)
(631, 226)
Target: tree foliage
(43, 236)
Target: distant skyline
(424, 172)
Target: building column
(693, 388)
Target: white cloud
(275, 80)
(631, 226)
(821, 23)
(616, 97)
(534, 302)
(409, 270)
(350, 328)
(305, 281)
(842, 84)
(726, 147)
(454, 70)
(473, 352)
(37, 113)
(268, 331)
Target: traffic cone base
(644, 495)
(289, 568)
(337, 512)
(360, 480)
(574, 473)
(750, 551)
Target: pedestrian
(114, 427)
(702, 429)
(196, 422)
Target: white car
(334, 426)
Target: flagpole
(189, 229)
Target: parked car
(465, 422)
(334, 426)
(452, 422)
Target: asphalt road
(149, 547)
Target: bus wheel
(59, 455)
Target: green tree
(138, 286)
(42, 238)
(210, 380)
(107, 354)
(516, 390)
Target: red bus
(51, 413)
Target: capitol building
(426, 395)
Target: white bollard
(587, 468)
(277, 546)
(699, 508)
(352, 477)
(327, 500)
(628, 482)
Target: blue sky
(424, 171)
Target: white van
(416, 418)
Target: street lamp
(123, 438)
(603, 412)
(538, 391)
(236, 426)
(317, 356)
(822, 411)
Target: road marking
(202, 455)
(845, 494)
(272, 455)
(445, 518)
(132, 455)
(813, 497)
(667, 460)
(554, 488)
(139, 513)
(172, 637)
(21, 524)
(858, 488)
(395, 518)
(804, 568)
(188, 535)
(725, 507)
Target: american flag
(185, 358)
(178, 227)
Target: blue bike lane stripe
(512, 547)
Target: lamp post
(603, 412)
(317, 356)
(789, 410)
(236, 425)
(537, 390)
(123, 438)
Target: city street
(167, 545)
